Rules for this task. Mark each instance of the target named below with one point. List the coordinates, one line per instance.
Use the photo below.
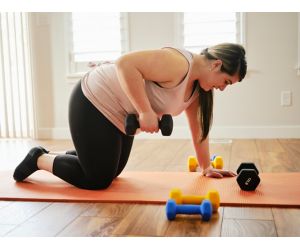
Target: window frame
(74, 69)
(241, 27)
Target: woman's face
(215, 79)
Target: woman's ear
(216, 64)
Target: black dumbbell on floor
(248, 178)
(165, 124)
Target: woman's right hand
(149, 122)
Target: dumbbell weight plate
(170, 209)
(217, 162)
(248, 179)
(247, 165)
(131, 124)
(206, 210)
(192, 163)
(166, 125)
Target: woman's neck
(199, 67)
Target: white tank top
(102, 88)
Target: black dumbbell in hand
(165, 124)
(248, 178)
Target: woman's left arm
(202, 147)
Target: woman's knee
(97, 184)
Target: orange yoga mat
(275, 189)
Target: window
(16, 100)
(201, 30)
(298, 66)
(96, 37)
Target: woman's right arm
(129, 74)
(156, 65)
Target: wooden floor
(102, 219)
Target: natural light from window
(201, 30)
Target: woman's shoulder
(181, 51)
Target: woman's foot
(29, 164)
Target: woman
(148, 83)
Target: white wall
(253, 106)
(250, 109)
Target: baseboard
(238, 132)
(53, 133)
(255, 132)
(182, 132)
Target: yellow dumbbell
(192, 163)
(216, 162)
(212, 195)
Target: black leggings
(102, 149)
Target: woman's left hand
(217, 173)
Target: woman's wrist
(206, 169)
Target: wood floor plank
(193, 226)
(178, 160)
(287, 221)
(269, 145)
(99, 219)
(248, 228)
(108, 210)
(250, 213)
(180, 156)
(56, 145)
(243, 150)
(157, 154)
(159, 159)
(136, 154)
(140, 157)
(292, 149)
(12, 151)
(143, 220)
(50, 221)
(18, 212)
(222, 149)
(273, 156)
(86, 226)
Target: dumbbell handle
(204, 209)
(188, 209)
(192, 199)
(165, 124)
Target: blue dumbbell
(204, 209)
(213, 157)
